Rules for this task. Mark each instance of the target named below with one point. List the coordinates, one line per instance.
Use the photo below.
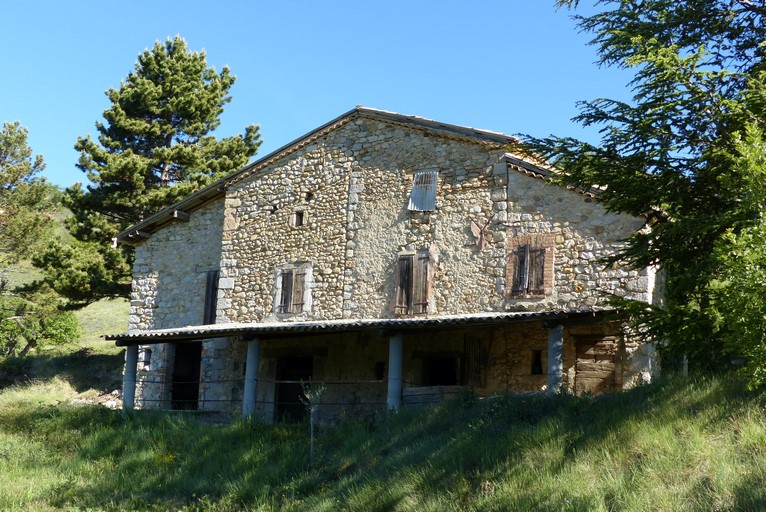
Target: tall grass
(695, 444)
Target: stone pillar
(129, 378)
(395, 350)
(251, 377)
(555, 357)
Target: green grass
(21, 273)
(107, 316)
(696, 444)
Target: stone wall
(261, 236)
(169, 277)
(352, 188)
(337, 208)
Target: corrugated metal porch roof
(334, 326)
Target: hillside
(696, 444)
(90, 364)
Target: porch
(368, 366)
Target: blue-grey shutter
(423, 195)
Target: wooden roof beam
(139, 235)
(181, 215)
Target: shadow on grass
(452, 457)
(83, 369)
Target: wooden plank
(595, 366)
(423, 395)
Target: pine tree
(26, 200)
(674, 153)
(27, 207)
(154, 148)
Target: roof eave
(293, 329)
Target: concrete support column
(395, 351)
(555, 358)
(251, 377)
(129, 378)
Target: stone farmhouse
(393, 259)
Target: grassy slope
(678, 445)
(90, 363)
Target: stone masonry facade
(334, 209)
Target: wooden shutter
(420, 283)
(529, 271)
(536, 271)
(403, 291)
(299, 281)
(285, 298)
(423, 194)
(521, 270)
(211, 297)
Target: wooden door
(595, 365)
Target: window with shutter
(286, 295)
(529, 270)
(292, 286)
(521, 270)
(420, 284)
(403, 299)
(423, 194)
(413, 286)
(536, 271)
(299, 281)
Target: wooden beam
(180, 215)
(143, 235)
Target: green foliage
(37, 322)
(673, 155)
(695, 444)
(27, 208)
(154, 148)
(27, 202)
(83, 271)
(739, 291)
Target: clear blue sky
(513, 66)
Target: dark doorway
(440, 371)
(293, 370)
(184, 392)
